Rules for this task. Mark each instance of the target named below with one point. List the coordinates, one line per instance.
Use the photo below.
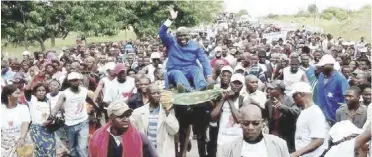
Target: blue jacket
(184, 57)
(332, 93)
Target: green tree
(312, 8)
(242, 12)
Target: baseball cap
(239, 67)
(26, 53)
(326, 59)
(276, 84)
(74, 76)
(117, 108)
(302, 87)
(110, 66)
(227, 68)
(155, 55)
(119, 67)
(237, 77)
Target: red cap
(119, 67)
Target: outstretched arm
(163, 35)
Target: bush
(326, 16)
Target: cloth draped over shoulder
(131, 142)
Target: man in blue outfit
(332, 86)
(183, 55)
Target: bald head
(251, 77)
(250, 112)
(152, 87)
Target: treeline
(26, 22)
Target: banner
(275, 36)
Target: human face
(182, 39)
(359, 79)
(298, 99)
(254, 59)
(143, 83)
(121, 122)
(26, 57)
(131, 74)
(41, 92)
(346, 71)
(367, 95)
(226, 77)
(236, 86)
(122, 75)
(14, 97)
(305, 60)
(262, 58)
(74, 67)
(251, 125)
(49, 69)
(154, 94)
(74, 83)
(294, 66)
(252, 84)
(351, 98)
(53, 87)
(363, 65)
(159, 75)
(40, 57)
(284, 63)
(352, 65)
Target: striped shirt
(153, 123)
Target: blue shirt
(331, 93)
(184, 57)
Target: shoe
(180, 88)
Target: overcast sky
(264, 7)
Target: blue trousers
(193, 74)
(78, 139)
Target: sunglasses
(253, 122)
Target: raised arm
(163, 34)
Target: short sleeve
(25, 113)
(318, 127)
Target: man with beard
(158, 122)
(119, 137)
(353, 111)
(293, 74)
(332, 86)
(218, 58)
(254, 142)
(182, 59)
(73, 100)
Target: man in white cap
(26, 55)
(105, 83)
(182, 63)
(311, 125)
(332, 86)
(74, 100)
(226, 111)
(155, 63)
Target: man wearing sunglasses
(254, 142)
(311, 125)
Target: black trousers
(212, 143)
(198, 117)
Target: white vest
(75, 110)
(289, 78)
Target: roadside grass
(356, 26)
(69, 41)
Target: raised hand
(173, 14)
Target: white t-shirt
(289, 78)
(228, 130)
(119, 91)
(39, 110)
(258, 96)
(75, 106)
(151, 70)
(12, 120)
(311, 123)
(107, 85)
(259, 149)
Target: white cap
(110, 66)
(26, 53)
(343, 129)
(227, 68)
(326, 59)
(237, 77)
(239, 67)
(302, 87)
(155, 55)
(74, 75)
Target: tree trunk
(53, 40)
(25, 40)
(42, 46)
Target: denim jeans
(78, 139)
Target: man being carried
(182, 58)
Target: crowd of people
(304, 94)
